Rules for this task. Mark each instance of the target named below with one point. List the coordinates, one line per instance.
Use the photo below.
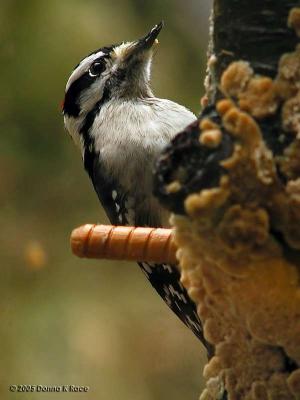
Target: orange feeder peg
(124, 243)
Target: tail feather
(166, 281)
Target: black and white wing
(113, 199)
(164, 278)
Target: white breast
(130, 135)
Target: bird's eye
(96, 68)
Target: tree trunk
(236, 207)
(256, 31)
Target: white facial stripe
(90, 97)
(83, 67)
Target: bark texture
(255, 31)
(237, 201)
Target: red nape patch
(61, 105)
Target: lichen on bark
(237, 202)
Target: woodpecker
(120, 127)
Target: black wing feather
(165, 279)
(110, 194)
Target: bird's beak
(147, 41)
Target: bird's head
(119, 71)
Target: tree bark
(236, 207)
(255, 31)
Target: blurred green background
(65, 320)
